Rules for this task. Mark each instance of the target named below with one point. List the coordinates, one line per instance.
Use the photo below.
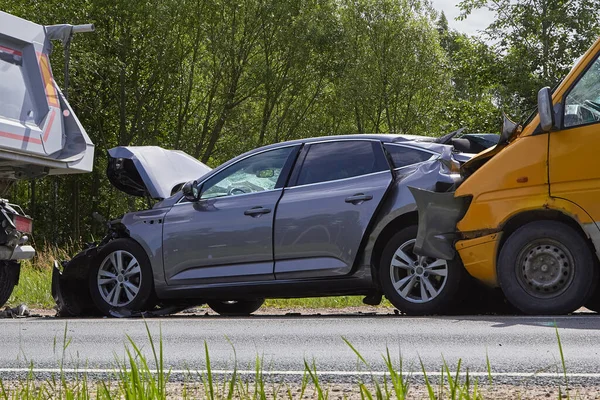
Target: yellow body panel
(479, 257)
(575, 171)
(515, 179)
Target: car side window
(582, 104)
(339, 160)
(403, 156)
(256, 173)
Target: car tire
(124, 292)
(547, 267)
(235, 307)
(9, 277)
(418, 285)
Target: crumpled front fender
(438, 215)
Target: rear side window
(403, 156)
(340, 160)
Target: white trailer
(39, 132)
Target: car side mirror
(545, 109)
(191, 191)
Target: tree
(539, 40)
(475, 75)
(395, 68)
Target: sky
(477, 21)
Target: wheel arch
(380, 237)
(587, 231)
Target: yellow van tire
(547, 267)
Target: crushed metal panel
(438, 216)
(39, 132)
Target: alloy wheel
(119, 278)
(417, 279)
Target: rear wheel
(546, 267)
(235, 307)
(419, 285)
(9, 277)
(121, 281)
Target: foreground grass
(144, 375)
(36, 279)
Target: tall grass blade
(562, 356)
(489, 368)
(209, 373)
(315, 380)
(430, 390)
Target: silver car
(313, 217)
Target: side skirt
(271, 289)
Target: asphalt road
(516, 346)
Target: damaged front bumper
(71, 290)
(438, 215)
(70, 285)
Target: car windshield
(242, 181)
(256, 173)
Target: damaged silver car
(313, 217)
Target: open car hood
(151, 170)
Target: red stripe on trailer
(20, 137)
(11, 51)
(49, 125)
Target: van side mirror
(545, 109)
(191, 191)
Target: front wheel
(546, 267)
(120, 280)
(9, 277)
(235, 307)
(419, 285)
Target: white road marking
(476, 374)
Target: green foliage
(539, 41)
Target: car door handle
(358, 198)
(256, 211)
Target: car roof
(383, 137)
(426, 142)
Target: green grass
(321, 302)
(142, 376)
(36, 278)
(33, 288)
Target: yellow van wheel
(547, 267)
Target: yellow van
(527, 215)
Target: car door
(573, 149)
(227, 236)
(334, 191)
